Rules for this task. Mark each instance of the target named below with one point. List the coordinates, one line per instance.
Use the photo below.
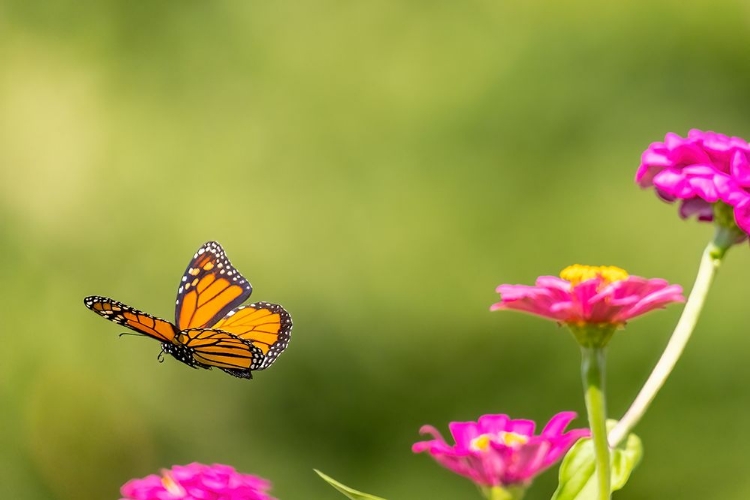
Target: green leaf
(347, 491)
(625, 458)
(578, 469)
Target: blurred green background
(378, 168)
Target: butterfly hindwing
(267, 326)
(132, 318)
(223, 350)
(209, 289)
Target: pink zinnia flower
(701, 170)
(589, 296)
(497, 451)
(197, 482)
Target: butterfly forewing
(209, 289)
(267, 326)
(132, 318)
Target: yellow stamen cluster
(578, 273)
(482, 442)
(512, 439)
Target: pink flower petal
(522, 427)
(702, 209)
(558, 423)
(494, 424)
(464, 432)
(742, 214)
(428, 429)
(740, 168)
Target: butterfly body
(180, 353)
(211, 328)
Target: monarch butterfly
(211, 326)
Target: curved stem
(592, 370)
(710, 263)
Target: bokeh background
(378, 168)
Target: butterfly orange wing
(223, 350)
(209, 289)
(267, 326)
(132, 318)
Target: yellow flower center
(578, 273)
(482, 442)
(512, 439)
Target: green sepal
(578, 468)
(347, 491)
(593, 335)
(504, 492)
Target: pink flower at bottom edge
(499, 451)
(197, 482)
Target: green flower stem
(592, 370)
(710, 262)
(504, 493)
